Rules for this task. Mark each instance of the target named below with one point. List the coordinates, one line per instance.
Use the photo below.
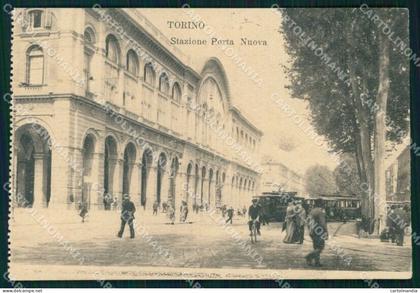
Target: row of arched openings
(202, 184)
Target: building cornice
(246, 121)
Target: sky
(283, 139)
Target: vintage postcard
(210, 144)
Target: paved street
(201, 244)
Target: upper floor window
(132, 62)
(112, 49)
(89, 36)
(35, 66)
(35, 17)
(176, 92)
(164, 83)
(149, 74)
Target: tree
(340, 63)
(347, 177)
(319, 180)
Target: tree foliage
(338, 61)
(347, 177)
(331, 98)
(319, 180)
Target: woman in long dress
(291, 228)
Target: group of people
(169, 209)
(297, 217)
(110, 202)
(294, 222)
(398, 219)
(229, 212)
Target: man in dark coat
(318, 231)
(397, 222)
(127, 215)
(229, 212)
(254, 214)
(155, 207)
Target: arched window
(112, 49)
(164, 83)
(176, 92)
(149, 74)
(89, 36)
(36, 19)
(132, 62)
(35, 66)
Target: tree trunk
(362, 137)
(380, 132)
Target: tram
(337, 208)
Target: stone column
(134, 186)
(212, 193)
(137, 196)
(187, 189)
(118, 179)
(238, 196)
(229, 188)
(39, 181)
(164, 191)
(234, 192)
(180, 188)
(191, 193)
(151, 186)
(204, 191)
(198, 190)
(222, 195)
(61, 173)
(97, 179)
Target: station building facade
(104, 107)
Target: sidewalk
(203, 244)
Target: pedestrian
(290, 220)
(390, 223)
(229, 212)
(264, 214)
(223, 210)
(254, 213)
(83, 210)
(115, 203)
(155, 207)
(398, 223)
(105, 201)
(127, 215)
(318, 231)
(183, 211)
(300, 222)
(171, 213)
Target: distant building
(279, 177)
(397, 176)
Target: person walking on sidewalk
(229, 215)
(318, 231)
(127, 216)
(83, 210)
(155, 207)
